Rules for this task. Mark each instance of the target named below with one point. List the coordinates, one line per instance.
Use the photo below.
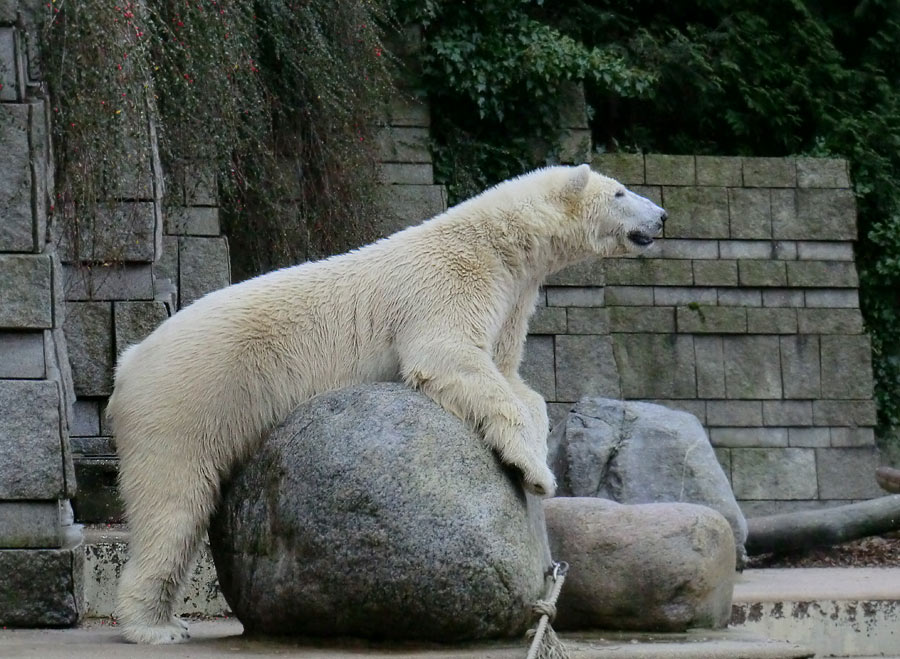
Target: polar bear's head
(615, 220)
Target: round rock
(372, 512)
(663, 567)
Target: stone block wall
(746, 314)
(40, 554)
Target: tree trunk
(802, 530)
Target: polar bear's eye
(620, 193)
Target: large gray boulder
(633, 452)
(372, 512)
(663, 567)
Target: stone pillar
(41, 559)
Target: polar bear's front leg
(464, 380)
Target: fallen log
(794, 532)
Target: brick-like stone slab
(587, 273)
(537, 368)
(403, 144)
(846, 366)
(203, 267)
(12, 74)
(715, 273)
(669, 170)
(822, 274)
(404, 109)
(28, 524)
(640, 319)
(748, 437)
(586, 366)
(772, 320)
(31, 460)
(22, 355)
(844, 412)
(193, 221)
(16, 218)
(85, 420)
(25, 291)
(678, 295)
(122, 231)
(704, 319)
(629, 295)
(405, 172)
(89, 335)
(627, 168)
(774, 473)
(746, 249)
(740, 297)
(830, 321)
(819, 215)
(750, 211)
(407, 205)
(710, 365)
(115, 282)
(734, 413)
(674, 248)
(785, 250)
(695, 407)
(43, 587)
(655, 365)
(769, 173)
(824, 251)
(847, 473)
(809, 437)
(575, 296)
(752, 368)
(646, 272)
(134, 321)
(696, 212)
(782, 297)
(587, 320)
(548, 320)
(787, 412)
(762, 273)
(852, 437)
(832, 299)
(801, 366)
(719, 171)
(822, 173)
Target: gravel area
(877, 551)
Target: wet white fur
(442, 306)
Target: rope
(545, 644)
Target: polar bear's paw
(538, 479)
(175, 631)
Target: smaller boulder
(661, 567)
(632, 452)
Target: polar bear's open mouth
(640, 238)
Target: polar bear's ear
(577, 182)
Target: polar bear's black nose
(664, 217)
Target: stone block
(25, 283)
(114, 282)
(846, 366)
(723, 455)
(824, 251)
(695, 407)
(718, 171)
(586, 366)
(43, 587)
(734, 413)
(750, 211)
(666, 272)
(17, 230)
(847, 473)
(200, 185)
(762, 273)
(587, 320)
(627, 168)
(787, 412)
(769, 172)
(167, 265)
(832, 299)
(774, 473)
(674, 248)
(407, 110)
(651, 192)
(29, 524)
(94, 445)
(120, 231)
(830, 321)
(8, 12)
(702, 319)
(746, 249)
(844, 413)
(785, 250)
(407, 173)
(86, 418)
(654, 365)
(852, 437)
(800, 366)
(31, 460)
(89, 335)
(822, 173)
(752, 368)
(696, 212)
(575, 296)
(710, 363)
(715, 273)
(12, 73)
(772, 320)
(641, 319)
(193, 221)
(407, 205)
(782, 297)
(822, 274)
(537, 367)
(809, 437)
(573, 111)
(820, 215)
(134, 321)
(22, 355)
(749, 437)
(739, 297)
(676, 295)
(403, 144)
(574, 146)
(669, 170)
(629, 295)
(97, 501)
(203, 267)
(587, 273)
(548, 320)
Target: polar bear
(442, 306)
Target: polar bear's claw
(173, 632)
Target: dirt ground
(877, 551)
